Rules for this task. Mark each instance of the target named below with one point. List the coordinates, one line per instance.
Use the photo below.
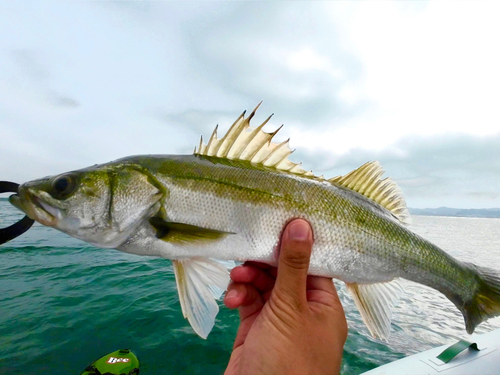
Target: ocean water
(64, 303)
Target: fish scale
(231, 200)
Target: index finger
(324, 284)
(322, 290)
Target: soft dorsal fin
(366, 181)
(243, 142)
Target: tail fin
(485, 303)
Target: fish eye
(63, 186)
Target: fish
(229, 201)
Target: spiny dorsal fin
(243, 142)
(366, 181)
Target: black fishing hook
(15, 230)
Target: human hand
(290, 323)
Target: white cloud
(431, 71)
(309, 59)
(86, 82)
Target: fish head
(102, 205)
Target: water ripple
(65, 303)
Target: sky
(414, 85)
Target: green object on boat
(451, 352)
(120, 362)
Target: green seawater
(64, 303)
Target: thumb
(293, 264)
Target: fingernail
(298, 231)
(231, 294)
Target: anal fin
(199, 282)
(375, 303)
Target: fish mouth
(34, 207)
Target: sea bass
(230, 200)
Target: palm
(254, 284)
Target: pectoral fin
(199, 282)
(184, 233)
(375, 303)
